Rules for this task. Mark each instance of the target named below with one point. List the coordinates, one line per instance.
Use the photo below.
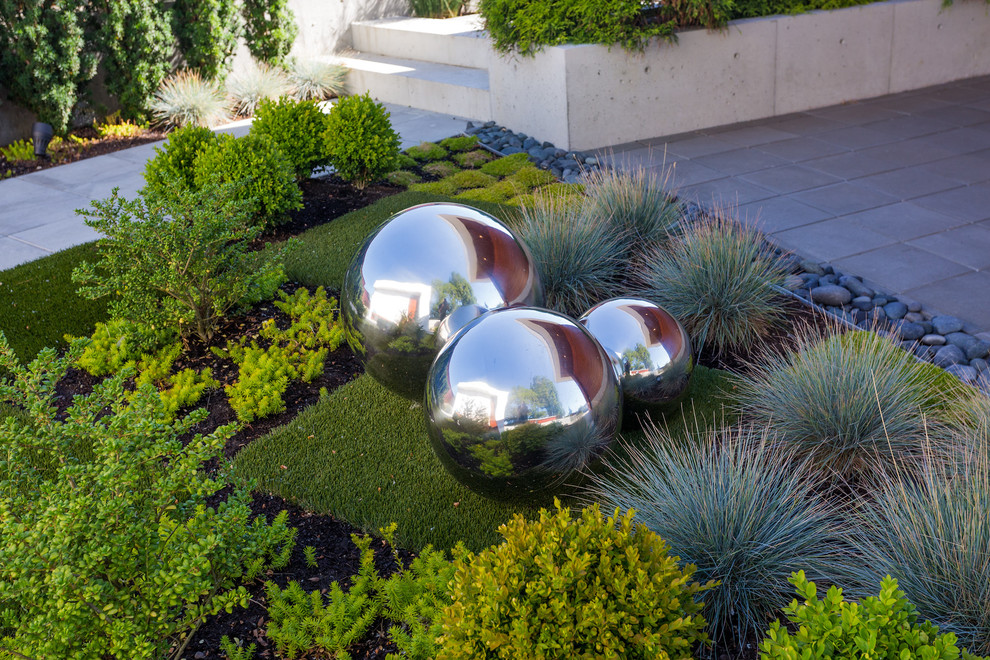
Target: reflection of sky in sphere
(420, 247)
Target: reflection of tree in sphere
(520, 402)
(405, 287)
(649, 349)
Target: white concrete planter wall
(587, 96)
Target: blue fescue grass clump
(578, 255)
(639, 202)
(715, 278)
(847, 402)
(731, 502)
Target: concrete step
(454, 90)
(456, 41)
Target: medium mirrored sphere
(403, 289)
(522, 401)
(649, 348)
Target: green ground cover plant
(426, 152)
(108, 548)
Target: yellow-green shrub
(558, 587)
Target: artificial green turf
(363, 454)
(322, 254)
(40, 303)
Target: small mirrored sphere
(403, 289)
(522, 401)
(649, 349)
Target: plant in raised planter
(437, 8)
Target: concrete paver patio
(895, 189)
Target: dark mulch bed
(69, 152)
(325, 199)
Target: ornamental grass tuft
(929, 531)
(186, 99)
(638, 201)
(736, 505)
(717, 280)
(848, 403)
(317, 80)
(250, 87)
(578, 256)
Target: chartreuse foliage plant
(585, 587)
(207, 32)
(263, 173)
(295, 353)
(360, 141)
(717, 280)
(269, 29)
(173, 162)
(181, 261)
(727, 500)
(18, 151)
(299, 125)
(108, 546)
(411, 598)
(882, 626)
(848, 403)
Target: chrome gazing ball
(404, 287)
(522, 401)
(649, 348)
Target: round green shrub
(361, 144)
(563, 587)
(298, 125)
(255, 157)
(174, 161)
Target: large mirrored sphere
(405, 286)
(522, 401)
(649, 348)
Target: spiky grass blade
(736, 506)
(638, 201)
(579, 256)
(930, 531)
(315, 79)
(186, 99)
(716, 278)
(254, 84)
(846, 402)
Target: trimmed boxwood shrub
(173, 162)
(299, 125)
(257, 158)
(361, 143)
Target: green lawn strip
(40, 303)
(325, 252)
(338, 453)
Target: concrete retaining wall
(583, 97)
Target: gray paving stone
(911, 102)
(800, 149)
(54, 236)
(857, 137)
(831, 240)
(790, 178)
(971, 203)
(959, 115)
(751, 136)
(910, 126)
(904, 220)
(955, 295)
(906, 153)
(802, 123)
(861, 112)
(909, 182)
(901, 268)
(699, 145)
(14, 252)
(726, 191)
(843, 198)
(739, 161)
(851, 165)
(689, 172)
(138, 155)
(631, 156)
(959, 141)
(968, 245)
(781, 213)
(971, 168)
(50, 205)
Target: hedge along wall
(324, 27)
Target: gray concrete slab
(902, 268)
(14, 252)
(790, 178)
(905, 221)
(832, 239)
(963, 296)
(968, 245)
